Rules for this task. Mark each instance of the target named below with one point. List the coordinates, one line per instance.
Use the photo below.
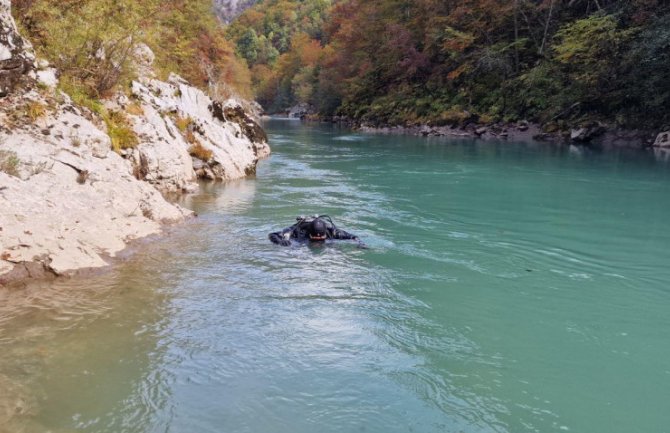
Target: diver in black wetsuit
(316, 229)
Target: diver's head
(317, 230)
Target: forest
(441, 62)
(381, 62)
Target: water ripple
(498, 295)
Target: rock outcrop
(176, 118)
(300, 111)
(663, 139)
(16, 55)
(227, 10)
(67, 200)
(587, 132)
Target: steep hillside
(558, 63)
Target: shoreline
(606, 138)
(36, 272)
(589, 134)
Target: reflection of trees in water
(85, 353)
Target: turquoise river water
(508, 287)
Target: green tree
(248, 46)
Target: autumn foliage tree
(448, 61)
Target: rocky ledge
(68, 201)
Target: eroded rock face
(16, 54)
(233, 112)
(179, 117)
(69, 200)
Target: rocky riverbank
(589, 134)
(597, 135)
(75, 188)
(585, 133)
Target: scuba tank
(303, 223)
(308, 219)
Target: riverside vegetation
(91, 43)
(558, 63)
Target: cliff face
(67, 200)
(227, 10)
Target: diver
(315, 229)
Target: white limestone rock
(47, 77)
(70, 205)
(235, 141)
(67, 201)
(663, 139)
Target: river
(508, 287)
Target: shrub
(454, 116)
(197, 150)
(183, 123)
(120, 131)
(9, 163)
(486, 119)
(79, 96)
(92, 42)
(135, 109)
(35, 110)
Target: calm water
(508, 288)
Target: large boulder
(300, 111)
(587, 132)
(663, 139)
(16, 54)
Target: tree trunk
(546, 28)
(516, 36)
